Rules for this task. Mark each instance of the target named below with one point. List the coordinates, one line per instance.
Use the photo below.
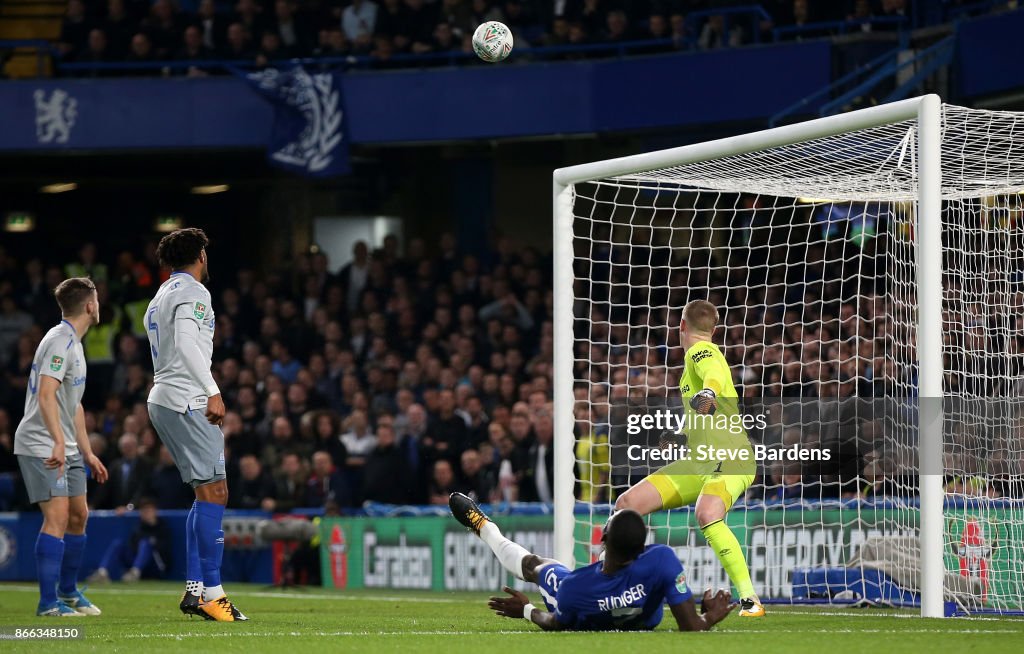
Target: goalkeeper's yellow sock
(722, 541)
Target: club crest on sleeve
(199, 310)
(56, 363)
(681, 582)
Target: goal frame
(927, 112)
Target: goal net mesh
(808, 250)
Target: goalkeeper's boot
(467, 512)
(222, 610)
(750, 607)
(190, 606)
(79, 602)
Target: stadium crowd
(402, 376)
(395, 379)
(260, 31)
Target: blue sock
(49, 552)
(209, 517)
(193, 570)
(74, 546)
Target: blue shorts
(549, 578)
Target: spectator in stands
(384, 465)
(355, 274)
(284, 366)
(784, 483)
(895, 9)
(331, 43)
(236, 46)
(282, 439)
(445, 39)
(97, 51)
(211, 25)
(442, 484)
(252, 488)
(165, 485)
(359, 22)
(119, 28)
(291, 29)
(862, 14)
(142, 49)
(74, 34)
(713, 34)
(447, 431)
(129, 477)
(145, 554)
(192, 47)
(249, 14)
(478, 481)
(592, 16)
(289, 484)
(539, 472)
(270, 50)
(391, 23)
(326, 483)
(8, 462)
(358, 440)
(327, 436)
(482, 11)
(419, 25)
(558, 34)
(617, 27)
(163, 26)
(13, 322)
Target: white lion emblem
(319, 101)
(55, 117)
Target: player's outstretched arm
(713, 610)
(515, 606)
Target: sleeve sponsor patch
(700, 356)
(199, 310)
(56, 363)
(681, 583)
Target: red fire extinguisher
(596, 546)
(974, 555)
(339, 557)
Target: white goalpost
(869, 274)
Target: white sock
(194, 587)
(212, 592)
(510, 555)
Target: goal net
(814, 247)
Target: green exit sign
(19, 221)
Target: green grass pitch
(145, 618)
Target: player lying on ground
(52, 445)
(624, 591)
(186, 409)
(707, 384)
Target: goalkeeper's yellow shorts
(678, 490)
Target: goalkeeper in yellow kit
(713, 485)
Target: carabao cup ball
(492, 41)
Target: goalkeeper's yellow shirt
(706, 367)
(593, 460)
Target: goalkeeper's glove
(704, 402)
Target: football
(492, 41)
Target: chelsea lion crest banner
(308, 136)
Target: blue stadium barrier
(18, 533)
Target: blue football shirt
(632, 598)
